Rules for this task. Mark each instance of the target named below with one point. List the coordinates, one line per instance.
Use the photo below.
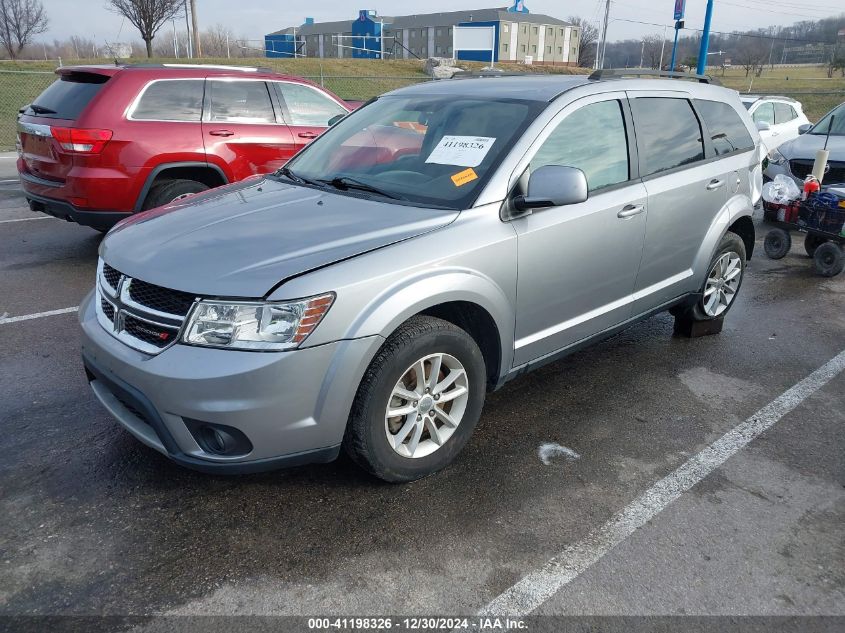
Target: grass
(362, 79)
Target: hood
(806, 146)
(241, 240)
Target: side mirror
(803, 129)
(763, 126)
(335, 119)
(553, 186)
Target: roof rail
(475, 74)
(621, 73)
(248, 69)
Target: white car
(778, 119)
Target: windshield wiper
(286, 172)
(40, 109)
(346, 182)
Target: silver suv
(431, 246)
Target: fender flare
(737, 207)
(148, 183)
(427, 289)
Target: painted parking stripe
(46, 217)
(541, 584)
(37, 315)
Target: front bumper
(291, 406)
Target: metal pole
(674, 48)
(705, 39)
(662, 48)
(604, 33)
(175, 40)
(197, 39)
(227, 46)
(642, 53)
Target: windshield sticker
(462, 151)
(463, 177)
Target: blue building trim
(480, 56)
(283, 46)
(367, 44)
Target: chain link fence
(20, 87)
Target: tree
(218, 41)
(20, 20)
(751, 53)
(653, 46)
(588, 41)
(148, 16)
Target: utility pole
(188, 29)
(600, 62)
(662, 47)
(642, 53)
(197, 42)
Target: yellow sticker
(465, 176)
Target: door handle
(222, 133)
(308, 135)
(715, 184)
(630, 210)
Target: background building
(519, 36)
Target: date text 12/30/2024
(417, 624)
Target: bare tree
(588, 41)
(148, 16)
(20, 20)
(751, 54)
(652, 49)
(218, 41)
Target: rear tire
(169, 191)
(777, 244)
(427, 431)
(828, 259)
(812, 242)
(724, 279)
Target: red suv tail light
(81, 141)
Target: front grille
(160, 299)
(153, 333)
(108, 309)
(111, 276)
(146, 317)
(801, 168)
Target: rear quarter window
(727, 131)
(68, 96)
(170, 100)
(668, 133)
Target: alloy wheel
(722, 284)
(426, 405)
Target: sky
(251, 19)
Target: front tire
(777, 243)
(812, 242)
(418, 402)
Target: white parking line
(37, 315)
(541, 584)
(44, 217)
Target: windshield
(425, 150)
(838, 115)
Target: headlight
(776, 158)
(255, 325)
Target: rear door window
(170, 100)
(67, 97)
(306, 106)
(765, 113)
(240, 102)
(784, 113)
(668, 134)
(727, 131)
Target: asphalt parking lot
(92, 522)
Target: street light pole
(705, 39)
(197, 40)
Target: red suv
(103, 142)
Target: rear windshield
(68, 96)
